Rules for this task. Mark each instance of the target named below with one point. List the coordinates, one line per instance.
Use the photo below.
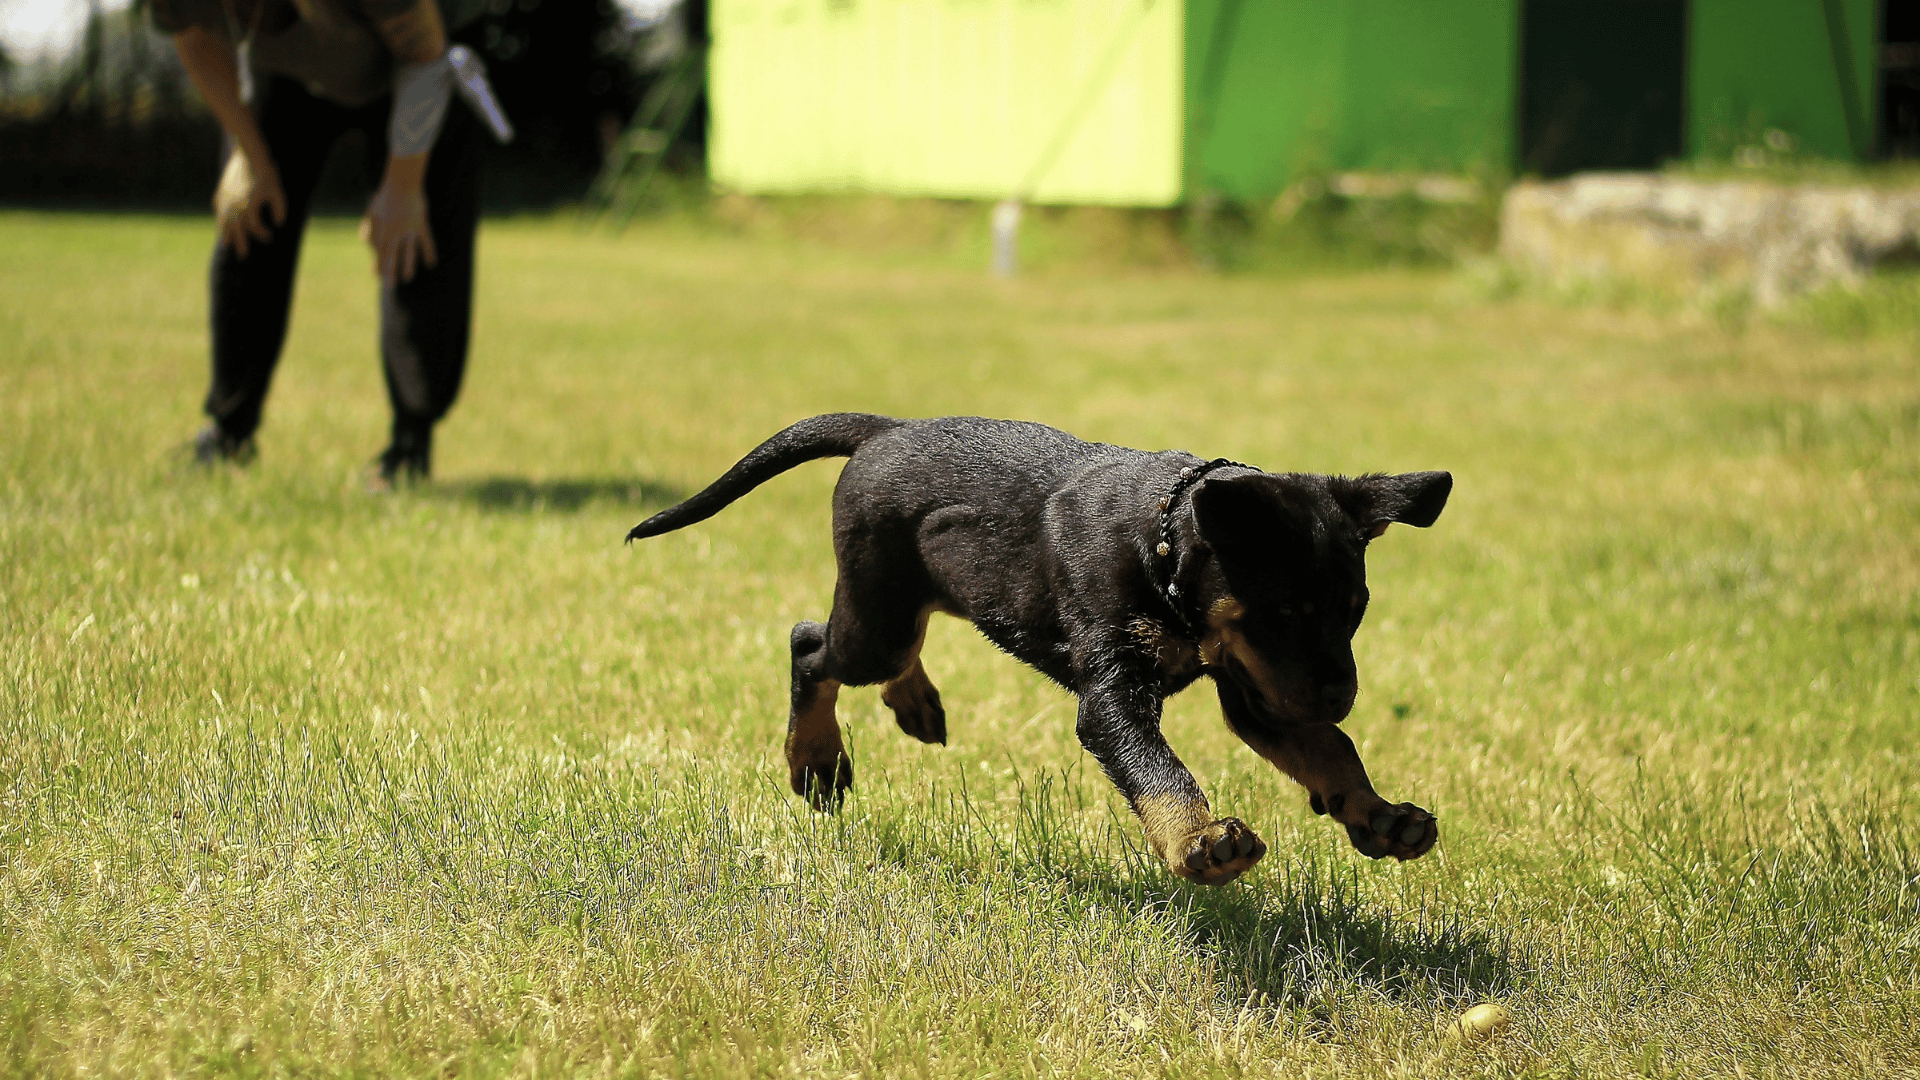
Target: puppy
(1123, 576)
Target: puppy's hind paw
(1404, 831)
(824, 785)
(1218, 853)
(916, 706)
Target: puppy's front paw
(822, 783)
(1218, 853)
(1404, 831)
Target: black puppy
(1123, 576)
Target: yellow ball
(1484, 1021)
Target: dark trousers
(423, 322)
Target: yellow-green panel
(950, 98)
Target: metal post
(1006, 238)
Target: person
(313, 70)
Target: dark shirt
(329, 45)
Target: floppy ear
(1246, 517)
(1376, 499)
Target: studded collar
(1166, 563)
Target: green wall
(1277, 89)
(1241, 97)
(1759, 64)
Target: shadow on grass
(1300, 931)
(1307, 937)
(519, 495)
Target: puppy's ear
(1376, 499)
(1246, 516)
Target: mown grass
(299, 780)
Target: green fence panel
(1266, 87)
(1804, 67)
(1430, 85)
(1139, 102)
(1278, 89)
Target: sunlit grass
(298, 780)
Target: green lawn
(299, 780)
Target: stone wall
(1689, 237)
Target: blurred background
(95, 109)
(1229, 133)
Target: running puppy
(1123, 576)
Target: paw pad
(1221, 852)
(1404, 832)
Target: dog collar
(1163, 551)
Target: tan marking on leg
(916, 704)
(1171, 820)
(908, 688)
(1322, 759)
(816, 757)
(912, 696)
(1182, 830)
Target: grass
(1886, 304)
(295, 780)
(1310, 230)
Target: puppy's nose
(1336, 694)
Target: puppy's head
(1290, 550)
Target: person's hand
(246, 195)
(396, 228)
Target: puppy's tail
(831, 435)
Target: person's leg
(424, 322)
(251, 297)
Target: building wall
(972, 98)
(1278, 89)
(950, 98)
(1431, 85)
(1759, 64)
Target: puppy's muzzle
(1336, 700)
